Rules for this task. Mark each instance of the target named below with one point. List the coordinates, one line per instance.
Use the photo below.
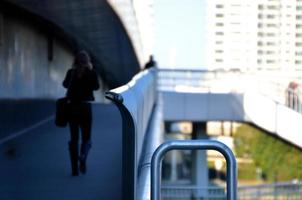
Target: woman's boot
(85, 147)
(74, 153)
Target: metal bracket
(117, 98)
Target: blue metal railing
(135, 102)
(280, 190)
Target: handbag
(62, 112)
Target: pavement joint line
(26, 130)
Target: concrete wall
(25, 69)
(203, 106)
(33, 64)
(29, 80)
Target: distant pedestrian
(292, 95)
(80, 82)
(151, 63)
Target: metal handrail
(193, 145)
(278, 190)
(129, 172)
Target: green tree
(278, 160)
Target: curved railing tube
(193, 145)
(135, 101)
(128, 148)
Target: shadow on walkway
(36, 166)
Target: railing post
(193, 145)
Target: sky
(179, 33)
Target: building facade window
(270, 52)
(298, 25)
(271, 44)
(298, 44)
(272, 7)
(260, 16)
(271, 34)
(298, 62)
(298, 35)
(270, 16)
(270, 61)
(260, 7)
(260, 25)
(219, 33)
(219, 15)
(271, 25)
(298, 53)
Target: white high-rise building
(254, 35)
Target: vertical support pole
(232, 129)
(200, 174)
(173, 175)
(222, 128)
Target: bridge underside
(92, 25)
(252, 108)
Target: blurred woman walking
(81, 80)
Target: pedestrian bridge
(34, 161)
(216, 97)
(227, 102)
(127, 129)
(252, 108)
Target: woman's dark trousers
(80, 120)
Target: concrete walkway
(36, 166)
